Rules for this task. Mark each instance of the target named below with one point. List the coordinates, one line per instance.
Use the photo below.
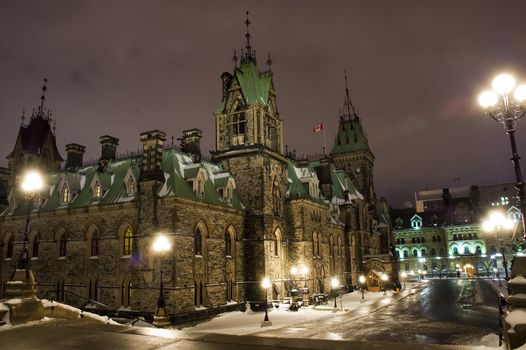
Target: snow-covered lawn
(249, 322)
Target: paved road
(439, 314)
(442, 313)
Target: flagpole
(324, 142)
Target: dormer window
(199, 183)
(65, 194)
(131, 186)
(416, 222)
(97, 190)
(228, 191)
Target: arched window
(413, 240)
(406, 254)
(94, 244)
(315, 246)
(228, 243)
(10, 247)
(397, 253)
(422, 240)
(277, 242)
(417, 239)
(415, 253)
(238, 120)
(455, 250)
(276, 197)
(35, 246)
(62, 244)
(467, 250)
(198, 241)
(423, 252)
(127, 248)
(433, 252)
(65, 195)
(131, 186)
(478, 250)
(97, 190)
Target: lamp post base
(21, 285)
(161, 319)
(266, 323)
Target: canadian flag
(318, 127)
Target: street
(441, 313)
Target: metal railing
(105, 307)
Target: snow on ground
(249, 322)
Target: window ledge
(94, 257)
(7, 259)
(126, 257)
(61, 258)
(34, 258)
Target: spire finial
(349, 110)
(23, 115)
(269, 63)
(43, 97)
(248, 55)
(234, 59)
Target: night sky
(415, 69)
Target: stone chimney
(191, 143)
(152, 144)
(109, 147)
(75, 155)
(323, 171)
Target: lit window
(131, 185)
(65, 195)
(97, 190)
(128, 242)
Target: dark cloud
(415, 68)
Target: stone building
(252, 211)
(444, 233)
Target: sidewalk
(249, 322)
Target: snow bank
(516, 317)
(519, 279)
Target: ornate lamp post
(31, 184)
(304, 272)
(265, 284)
(335, 283)
(361, 279)
(497, 222)
(294, 289)
(384, 279)
(161, 245)
(507, 108)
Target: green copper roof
(255, 86)
(179, 170)
(350, 137)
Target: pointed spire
(269, 63)
(43, 97)
(235, 58)
(348, 108)
(248, 55)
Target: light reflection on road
(441, 313)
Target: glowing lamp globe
(361, 279)
(384, 277)
(161, 244)
(497, 217)
(488, 99)
(32, 182)
(404, 274)
(508, 224)
(304, 269)
(335, 282)
(503, 83)
(520, 93)
(294, 270)
(265, 283)
(488, 226)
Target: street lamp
(361, 279)
(31, 184)
(506, 109)
(404, 277)
(161, 245)
(384, 279)
(293, 272)
(304, 272)
(334, 284)
(266, 285)
(497, 222)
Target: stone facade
(253, 212)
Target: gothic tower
(36, 146)
(249, 145)
(351, 151)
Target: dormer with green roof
(351, 151)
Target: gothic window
(94, 244)
(199, 188)
(35, 246)
(62, 245)
(406, 254)
(455, 250)
(467, 250)
(415, 253)
(276, 197)
(198, 241)
(9, 247)
(478, 250)
(417, 239)
(127, 247)
(433, 252)
(65, 195)
(228, 242)
(422, 240)
(277, 242)
(93, 290)
(423, 252)
(238, 120)
(97, 190)
(131, 186)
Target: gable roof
(350, 137)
